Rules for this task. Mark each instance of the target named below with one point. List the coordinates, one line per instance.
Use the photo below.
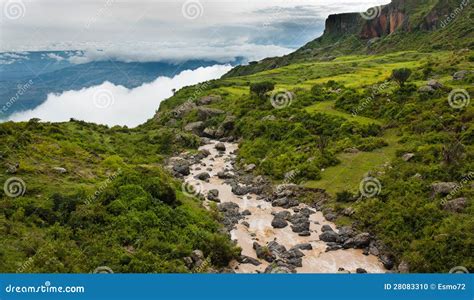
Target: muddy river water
(258, 224)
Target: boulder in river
(240, 190)
(329, 236)
(361, 240)
(285, 202)
(285, 215)
(263, 252)
(220, 147)
(304, 246)
(249, 260)
(325, 228)
(224, 175)
(182, 167)
(204, 176)
(388, 261)
(213, 195)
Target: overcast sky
(178, 29)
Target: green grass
(327, 107)
(354, 166)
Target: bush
(262, 88)
(345, 196)
(401, 75)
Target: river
(258, 224)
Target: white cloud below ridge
(111, 104)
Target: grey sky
(150, 30)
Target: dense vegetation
(98, 196)
(114, 206)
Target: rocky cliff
(422, 25)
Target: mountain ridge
(398, 26)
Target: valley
(352, 154)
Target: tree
(401, 75)
(261, 88)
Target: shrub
(261, 88)
(401, 75)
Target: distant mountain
(422, 25)
(27, 78)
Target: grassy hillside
(427, 26)
(104, 195)
(331, 124)
(112, 204)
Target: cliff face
(340, 24)
(399, 15)
(377, 22)
(390, 19)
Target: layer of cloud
(171, 29)
(111, 105)
(147, 52)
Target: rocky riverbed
(277, 234)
